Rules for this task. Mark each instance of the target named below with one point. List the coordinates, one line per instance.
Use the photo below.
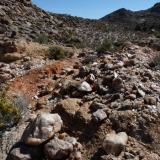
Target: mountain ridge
(143, 20)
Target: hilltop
(145, 20)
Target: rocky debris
(93, 100)
(100, 94)
(42, 128)
(115, 143)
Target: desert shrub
(157, 34)
(107, 45)
(71, 39)
(156, 60)
(42, 39)
(21, 102)
(76, 42)
(56, 52)
(9, 113)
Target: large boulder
(42, 128)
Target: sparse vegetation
(42, 39)
(107, 45)
(75, 42)
(157, 34)
(57, 52)
(9, 113)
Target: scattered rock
(85, 87)
(115, 143)
(99, 115)
(141, 92)
(117, 83)
(150, 100)
(95, 106)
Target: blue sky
(92, 8)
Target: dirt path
(28, 84)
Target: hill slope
(22, 19)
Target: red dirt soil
(28, 84)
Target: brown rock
(150, 100)
(115, 143)
(68, 107)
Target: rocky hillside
(22, 19)
(61, 100)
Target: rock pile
(42, 132)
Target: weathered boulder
(115, 143)
(42, 128)
(62, 148)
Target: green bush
(56, 52)
(9, 113)
(107, 45)
(75, 42)
(42, 39)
